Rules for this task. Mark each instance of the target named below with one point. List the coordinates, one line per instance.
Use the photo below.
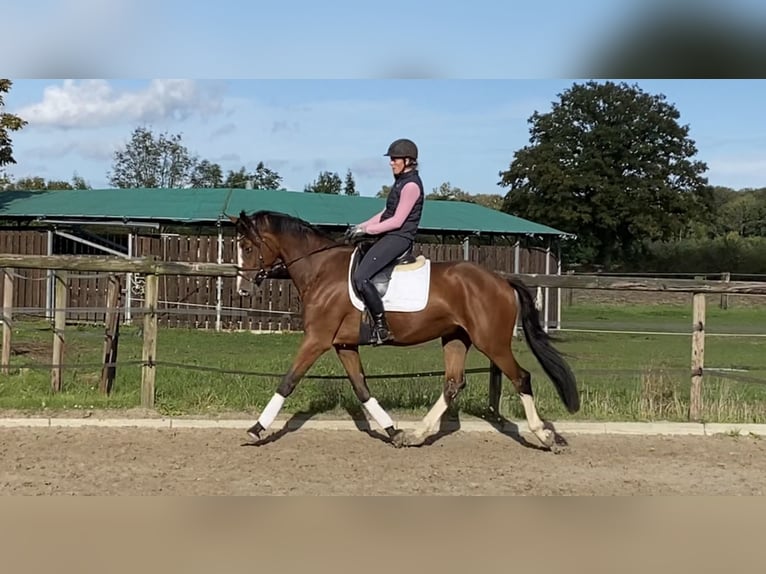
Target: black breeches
(382, 253)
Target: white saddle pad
(408, 289)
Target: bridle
(279, 266)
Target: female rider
(395, 228)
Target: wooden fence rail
(153, 269)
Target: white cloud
(95, 103)
(223, 130)
(226, 157)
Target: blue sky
(467, 130)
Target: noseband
(280, 266)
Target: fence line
(153, 270)
(676, 333)
(216, 291)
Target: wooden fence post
(149, 351)
(570, 291)
(495, 388)
(726, 278)
(111, 334)
(698, 356)
(59, 322)
(7, 319)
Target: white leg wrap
(377, 412)
(435, 414)
(271, 411)
(533, 419)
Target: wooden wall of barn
(192, 302)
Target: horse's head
(257, 252)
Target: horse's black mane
(282, 223)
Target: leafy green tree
(744, 214)
(152, 161)
(238, 179)
(8, 123)
(261, 178)
(611, 164)
(37, 183)
(446, 192)
(383, 191)
(349, 185)
(265, 178)
(206, 174)
(79, 182)
(490, 200)
(326, 182)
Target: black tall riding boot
(380, 332)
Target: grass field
(621, 376)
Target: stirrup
(380, 334)
(377, 339)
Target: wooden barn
(192, 225)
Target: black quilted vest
(410, 226)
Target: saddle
(381, 280)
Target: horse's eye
(248, 250)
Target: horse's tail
(539, 342)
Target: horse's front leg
(310, 350)
(349, 357)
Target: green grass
(667, 317)
(621, 377)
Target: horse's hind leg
(455, 350)
(349, 357)
(500, 353)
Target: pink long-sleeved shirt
(407, 198)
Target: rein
(263, 273)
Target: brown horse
(466, 305)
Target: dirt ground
(123, 461)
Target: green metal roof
(202, 205)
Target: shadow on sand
(450, 424)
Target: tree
(155, 162)
(238, 179)
(349, 186)
(384, 191)
(261, 178)
(490, 200)
(37, 183)
(8, 123)
(744, 214)
(206, 174)
(79, 182)
(611, 164)
(265, 178)
(327, 182)
(445, 192)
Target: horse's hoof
(556, 448)
(416, 439)
(547, 438)
(254, 432)
(399, 439)
(552, 441)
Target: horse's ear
(233, 219)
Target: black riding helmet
(402, 148)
